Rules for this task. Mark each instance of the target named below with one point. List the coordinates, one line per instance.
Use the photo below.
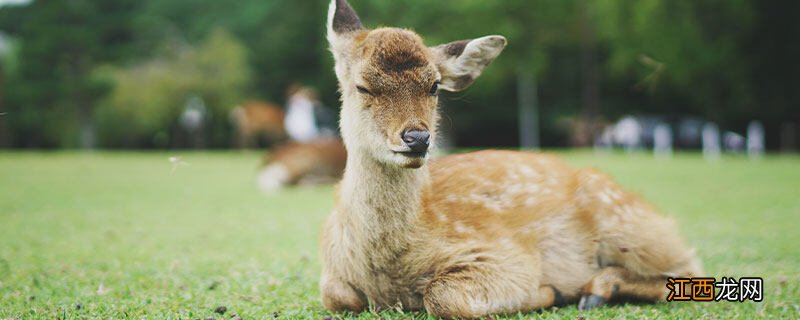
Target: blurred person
(755, 139)
(306, 118)
(193, 120)
(711, 141)
(662, 140)
(257, 119)
(733, 142)
(628, 133)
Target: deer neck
(383, 201)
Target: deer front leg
(338, 295)
(473, 291)
(612, 282)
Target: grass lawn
(123, 235)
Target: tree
(148, 97)
(727, 61)
(684, 54)
(60, 44)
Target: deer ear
(342, 20)
(461, 62)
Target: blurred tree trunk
(4, 138)
(528, 100)
(87, 137)
(81, 100)
(590, 84)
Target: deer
(255, 118)
(474, 234)
(319, 161)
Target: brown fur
(470, 235)
(254, 118)
(318, 161)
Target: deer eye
(434, 89)
(363, 90)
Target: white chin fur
(406, 162)
(272, 178)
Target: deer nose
(417, 140)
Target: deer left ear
(342, 20)
(461, 62)
(343, 25)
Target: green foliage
(52, 94)
(728, 61)
(127, 237)
(289, 46)
(681, 46)
(149, 97)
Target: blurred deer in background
(255, 119)
(318, 161)
(314, 153)
(475, 234)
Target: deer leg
(476, 290)
(639, 269)
(639, 272)
(639, 245)
(339, 296)
(612, 282)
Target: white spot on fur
(518, 188)
(608, 195)
(629, 210)
(441, 217)
(604, 197)
(609, 222)
(507, 243)
(614, 194)
(272, 178)
(528, 171)
(462, 228)
(501, 196)
(496, 204)
(514, 188)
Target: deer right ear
(342, 21)
(461, 62)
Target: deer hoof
(591, 301)
(558, 298)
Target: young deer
(321, 160)
(474, 234)
(256, 118)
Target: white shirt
(300, 122)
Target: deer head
(390, 81)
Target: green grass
(123, 236)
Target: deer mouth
(408, 152)
(412, 154)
